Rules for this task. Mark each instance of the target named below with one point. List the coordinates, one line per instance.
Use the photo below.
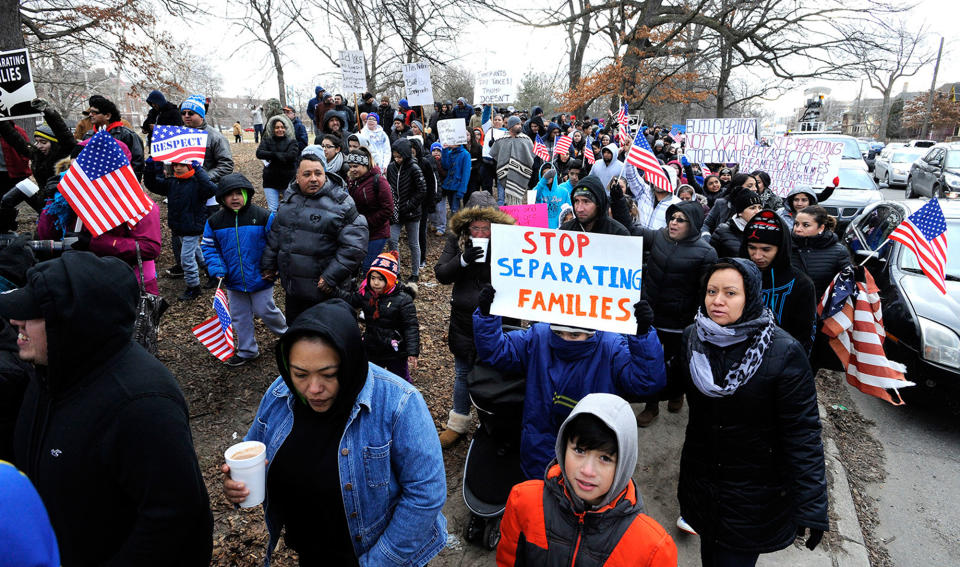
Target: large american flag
(177, 144)
(540, 149)
(563, 145)
(853, 319)
(101, 187)
(623, 119)
(641, 156)
(216, 333)
(925, 233)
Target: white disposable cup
(483, 243)
(27, 187)
(251, 471)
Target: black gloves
(644, 314)
(470, 255)
(83, 241)
(813, 540)
(40, 104)
(486, 299)
(616, 192)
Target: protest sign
(794, 160)
(453, 132)
(354, 72)
(633, 120)
(573, 278)
(16, 85)
(494, 87)
(681, 128)
(176, 144)
(529, 215)
(416, 80)
(719, 140)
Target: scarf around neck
(759, 330)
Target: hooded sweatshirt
(280, 154)
(606, 171)
(542, 521)
(788, 213)
(378, 142)
(603, 223)
(555, 195)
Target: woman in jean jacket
(370, 432)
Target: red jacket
(18, 166)
(616, 535)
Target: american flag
(853, 319)
(563, 145)
(177, 144)
(588, 154)
(925, 233)
(540, 149)
(623, 119)
(102, 188)
(216, 333)
(641, 156)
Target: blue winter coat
(457, 163)
(559, 373)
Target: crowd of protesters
(731, 276)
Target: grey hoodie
(616, 414)
(787, 213)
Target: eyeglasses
(327, 146)
(91, 112)
(187, 113)
(678, 219)
(479, 229)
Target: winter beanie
(512, 121)
(388, 266)
(373, 115)
(45, 132)
(744, 198)
(764, 229)
(436, 146)
(196, 104)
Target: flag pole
(356, 109)
(873, 253)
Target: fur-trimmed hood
(460, 222)
(290, 135)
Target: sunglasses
(187, 113)
(678, 219)
(92, 112)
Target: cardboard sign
(719, 140)
(494, 87)
(792, 161)
(354, 71)
(558, 276)
(453, 132)
(16, 85)
(529, 215)
(416, 81)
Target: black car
(921, 323)
(857, 190)
(936, 174)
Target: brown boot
(448, 438)
(649, 413)
(675, 404)
(457, 425)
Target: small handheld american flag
(641, 156)
(540, 149)
(588, 154)
(563, 145)
(178, 144)
(216, 333)
(623, 119)
(925, 233)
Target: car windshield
(856, 179)
(908, 261)
(953, 159)
(905, 157)
(864, 147)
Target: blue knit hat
(403, 103)
(195, 103)
(436, 146)
(373, 115)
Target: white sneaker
(684, 526)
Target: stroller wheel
(474, 529)
(491, 534)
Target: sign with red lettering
(565, 277)
(529, 215)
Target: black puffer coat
(752, 467)
(282, 153)
(821, 257)
(387, 318)
(314, 236)
(726, 239)
(672, 272)
(407, 184)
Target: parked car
(921, 324)
(936, 174)
(893, 164)
(856, 191)
(921, 143)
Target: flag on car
(216, 333)
(563, 145)
(102, 189)
(588, 154)
(623, 120)
(176, 144)
(540, 149)
(925, 234)
(853, 319)
(641, 156)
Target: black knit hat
(744, 198)
(764, 229)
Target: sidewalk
(656, 475)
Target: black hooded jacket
(604, 224)
(407, 183)
(42, 164)
(15, 374)
(104, 433)
(752, 467)
(821, 257)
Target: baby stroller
(492, 466)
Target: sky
(498, 45)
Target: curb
(853, 551)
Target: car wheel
(936, 192)
(886, 179)
(908, 192)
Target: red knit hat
(388, 266)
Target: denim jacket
(391, 470)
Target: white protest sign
(494, 87)
(16, 85)
(794, 160)
(416, 81)
(719, 140)
(571, 278)
(453, 132)
(354, 72)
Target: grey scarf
(759, 329)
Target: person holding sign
(562, 365)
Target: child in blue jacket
(233, 242)
(456, 161)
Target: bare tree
(451, 82)
(271, 23)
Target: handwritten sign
(574, 278)
(719, 140)
(16, 85)
(792, 161)
(416, 80)
(529, 215)
(494, 87)
(453, 132)
(354, 71)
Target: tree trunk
(279, 67)
(885, 112)
(11, 35)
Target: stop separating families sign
(565, 277)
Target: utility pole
(928, 116)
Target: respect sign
(565, 277)
(719, 140)
(494, 87)
(353, 70)
(16, 85)
(452, 132)
(794, 160)
(416, 80)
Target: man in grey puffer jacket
(318, 239)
